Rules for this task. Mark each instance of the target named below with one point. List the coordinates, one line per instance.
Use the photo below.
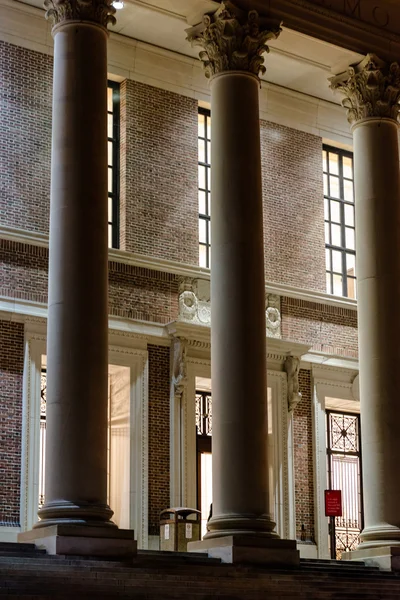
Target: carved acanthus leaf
(292, 367)
(371, 89)
(233, 40)
(179, 374)
(95, 11)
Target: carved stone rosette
(100, 12)
(371, 89)
(233, 40)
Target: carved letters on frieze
(100, 12)
(371, 89)
(233, 40)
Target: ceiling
(296, 61)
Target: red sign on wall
(333, 503)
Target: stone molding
(100, 12)
(185, 271)
(371, 89)
(233, 40)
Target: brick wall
(159, 206)
(134, 293)
(327, 328)
(293, 207)
(25, 140)
(142, 294)
(11, 370)
(303, 461)
(159, 432)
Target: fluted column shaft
(233, 43)
(372, 94)
(240, 482)
(77, 343)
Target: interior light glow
(118, 4)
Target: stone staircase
(28, 573)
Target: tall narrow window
(340, 243)
(113, 163)
(204, 144)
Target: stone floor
(27, 573)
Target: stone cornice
(41, 240)
(233, 40)
(100, 12)
(371, 89)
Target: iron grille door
(344, 473)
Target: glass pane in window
(324, 161)
(209, 152)
(208, 171)
(209, 128)
(351, 288)
(337, 261)
(202, 203)
(201, 125)
(336, 235)
(333, 163)
(209, 231)
(349, 215)
(202, 177)
(209, 205)
(110, 203)
(110, 154)
(335, 211)
(338, 285)
(334, 187)
(202, 256)
(202, 151)
(350, 239)
(350, 264)
(202, 231)
(110, 126)
(326, 185)
(328, 259)
(347, 167)
(110, 180)
(348, 190)
(110, 236)
(326, 209)
(109, 99)
(209, 256)
(328, 283)
(327, 236)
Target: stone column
(77, 338)
(372, 95)
(241, 527)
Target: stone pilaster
(371, 96)
(241, 528)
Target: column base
(386, 558)
(241, 549)
(81, 540)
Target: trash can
(178, 526)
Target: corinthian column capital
(100, 12)
(371, 89)
(233, 40)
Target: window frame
(206, 217)
(343, 248)
(115, 140)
